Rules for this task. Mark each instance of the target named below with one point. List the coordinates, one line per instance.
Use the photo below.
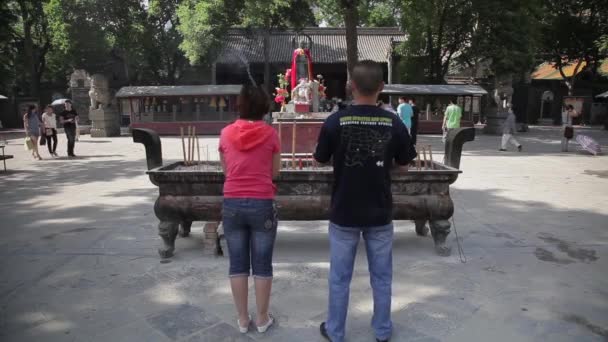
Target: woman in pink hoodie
(251, 158)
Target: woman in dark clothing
(32, 124)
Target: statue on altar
(301, 94)
(301, 64)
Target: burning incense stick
(431, 157)
(193, 144)
(183, 143)
(293, 145)
(280, 131)
(198, 151)
(189, 145)
(426, 166)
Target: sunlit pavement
(79, 262)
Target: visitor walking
(363, 152)
(508, 130)
(49, 121)
(451, 118)
(405, 112)
(415, 118)
(32, 124)
(568, 114)
(387, 107)
(250, 154)
(69, 120)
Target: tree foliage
(572, 34)
(371, 13)
(505, 34)
(165, 62)
(24, 44)
(438, 30)
(203, 23)
(8, 48)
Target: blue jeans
(250, 228)
(343, 243)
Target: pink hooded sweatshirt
(248, 148)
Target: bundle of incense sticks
(193, 144)
(427, 164)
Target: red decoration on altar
(298, 52)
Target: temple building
(327, 52)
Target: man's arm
(324, 149)
(405, 151)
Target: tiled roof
(547, 71)
(328, 45)
(433, 89)
(189, 90)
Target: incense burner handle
(453, 145)
(151, 141)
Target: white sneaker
(263, 328)
(243, 329)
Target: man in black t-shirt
(69, 119)
(364, 142)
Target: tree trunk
(28, 52)
(266, 42)
(351, 19)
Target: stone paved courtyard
(79, 262)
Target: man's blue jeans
(343, 243)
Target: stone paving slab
(78, 243)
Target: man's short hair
(403, 98)
(253, 103)
(368, 77)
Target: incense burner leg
(184, 228)
(168, 232)
(211, 243)
(421, 228)
(440, 229)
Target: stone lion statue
(100, 92)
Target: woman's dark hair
(253, 103)
(30, 109)
(571, 107)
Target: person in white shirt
(567, 131)
(49, 122)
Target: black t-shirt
(67, 115)
(363, 141)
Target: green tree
(372, 13)
(93, 34)
(571, 30)
(204, 23)
(505, 34)
(437, 30)
(26, 41)
(165, 62)
(8, 48)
